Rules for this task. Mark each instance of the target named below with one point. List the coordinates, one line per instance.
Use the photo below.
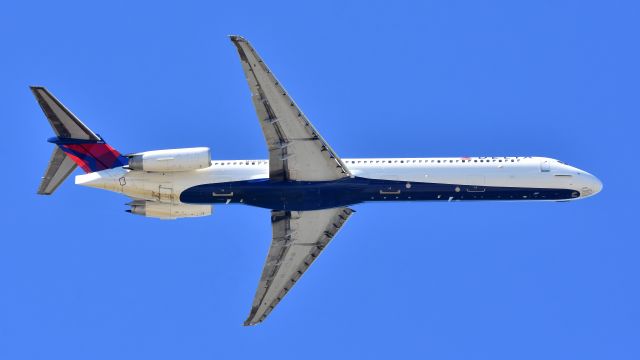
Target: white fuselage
(489, 172)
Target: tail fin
(77, 144)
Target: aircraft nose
(597, 184)
(592, 185)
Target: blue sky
(82, 279)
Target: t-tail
(76, 144)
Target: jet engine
(171, 160)
(167, 211)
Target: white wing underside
(298, 239)
(297, 151)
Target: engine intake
(167, 211)
(171, 160)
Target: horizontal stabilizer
(63, 122)
(59, 168)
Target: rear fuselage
(399, 179)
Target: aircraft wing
(296, 149)
(298, 239)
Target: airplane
(306, 185)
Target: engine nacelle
(168, 211)
(171, 160)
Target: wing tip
(35, 88)
(251, 321)
(237, 38)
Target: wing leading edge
(297, 151)
(298, 239)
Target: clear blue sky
(82, 279)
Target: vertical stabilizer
(77, 144)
